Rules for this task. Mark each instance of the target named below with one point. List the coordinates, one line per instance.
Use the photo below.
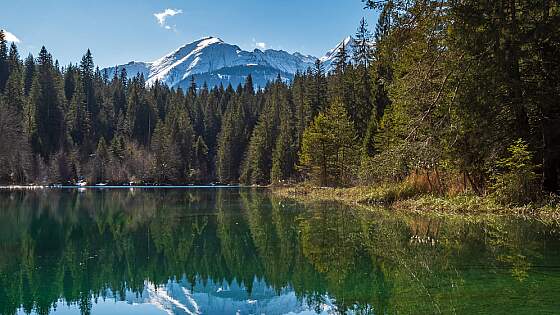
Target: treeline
(65, 124)
(462, 93)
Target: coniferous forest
(465, 94)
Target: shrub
(516, 182)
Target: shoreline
(37, 187)
(369, 197)
(460, 205)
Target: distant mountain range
(215, 62)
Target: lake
(244, 251)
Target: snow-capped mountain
(215, 62)
(329, 59)
(208, 297)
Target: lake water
(243, 251)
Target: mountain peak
(209, 40)
(348, 40)
(211, 60)
(329, 58)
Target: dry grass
(411, 197)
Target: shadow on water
(228, 250)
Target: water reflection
(223, 251)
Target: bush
(516, 182)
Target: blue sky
(118, 31)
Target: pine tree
(14, 90)
(4, 64)
(79, 122)
(15, 153)
(341, 59)
(48, 111)
(8, 121)
(231, 142)
(316, 97)
(166, 155)
(212, 122)
(363, 46)
(201, 167)
(384, 71)
(87, 76)
(329, 152)
(29, 65)
(284, 155)
(14, 63)
(118, 94)
(182, 138)
(100, 162)
(140, 113)
(69, 82)
(363, 56)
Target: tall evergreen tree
(46, 100)
(329, 152)
(316, 97)
(363, 56)
(166, 155)
(29, 73)
(341, 59)
(4, 64)
(284, 155)
(14, 90)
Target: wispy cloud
(162, 17)
(10, 37)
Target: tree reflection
(78, 247)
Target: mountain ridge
(211, 60)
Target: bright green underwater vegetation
(73, 251)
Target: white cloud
(10, 37)
(260, 45)
(162, 17)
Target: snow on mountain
(209, 56)
(329, 59)
(208, 297)
(215, 62)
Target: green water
(230, 250)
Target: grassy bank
(406, 198)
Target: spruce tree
(201, 166)
(166, 155)
(363, 45)
(14, 63)
(284, 155)
(341, 59)
(182, 138)
(46, 100)
(29, 73)
(316, 97)
(87, 75)
(69, 82)
(363, 56)
(4, 64)
(329, 152)
(100, 172)
(231, 142)
(14, 90)
(79, 122)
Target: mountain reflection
(222, 251)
